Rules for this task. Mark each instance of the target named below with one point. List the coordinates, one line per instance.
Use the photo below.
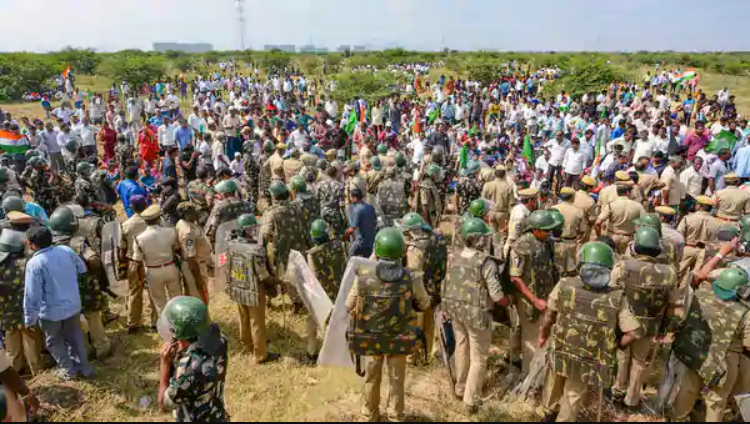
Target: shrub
(21, 73)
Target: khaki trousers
(94, 326)
(253, 326)
(374, 375)
(621, 242)
(632, 363)
(313, 345)
(426, 322)
(529, 337)
(499, 221)
(737, 381)
(472, 351)
(136, 279)
(163, 284)
(566, 393)
(24, 347)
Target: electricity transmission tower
(241, 18)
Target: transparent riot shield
(301, 277)
(379, 212)
(335, 351)
(221, 257)
(110, 244)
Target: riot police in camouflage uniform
(374, 176)
(36, 179)
(327, 260)
(23, 345)
(382, 304)
(65, 229)
(331, 194)
(306, 202)
(201, 195)
(83, 186)
(391, 196)
(472, 287)
(649, 287)
(587, 321)
(429, 200)
(248, 274)
(252, 170)
(712, 345)
(228, 208)
(265, 175)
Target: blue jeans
(64, 341)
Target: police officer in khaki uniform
(366, 336)
(619, 216)
(292, 165)
(732, 202)
(533, 273)
(586, 203)
(500, 193)
(584, 354)
(276, 162)
(529, 202)
(698, 228)
(574, 228)
(609, 193)
(196, 251)
(469, 293)
(129, 230)
(156, 247)
(650, 287)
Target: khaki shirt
(620, 214)
(277, 166)
(733, 203)
(422, 299)
(291, 167)
(608, 194)
(156, 246)
(415, 258)
(129, 230)
(193, 241)
(672, 183)
(500, 193)
(585, 202)
(575, 222)
(517, 215)
(626, 320)
(698, 227)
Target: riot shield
(444, 328)
(743, 404)
(378, 212)
(221, 258)
(335, 351)
(744, 264)
(110, 244)
(301, 277)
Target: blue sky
(42, 25)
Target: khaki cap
(501, 167)
(665, 210)
(588, 180)
(280, 146)
(152, 212)
(529, 192)
(622, 176)
(567, 191)
(731, 177)
(704, 200)
(21, 218)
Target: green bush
(134, 69)
(80, 61)
(367, 86)
(24, 72)
(581, 75)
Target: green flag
(722, 140)
(351, 124)
(528, 150)
(434, 115)
(464, 156)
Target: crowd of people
(600, 227)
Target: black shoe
(550, 417)
(271, 357)
(311, 359)
(135, 329)
(472, 410)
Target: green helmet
(413, 220)
(187, 317)
(400, 160)
(729, 281)
(322, 164)
(11, 242)
(226, 187)
(269, 147)
(382, 149)
(475, 226)
(557, 216)
(36, 161)
(247, 220)
(32, 153)
(319, 230)
(83, 168)
(13, 204)
(278, 189)
(434, 172)
(651, 220)
(63, 221)
(71, 146)
(648, 237)
(3, 175)
(745, 222)
(298, 184)
(390, 244)
(375, 162)
(598, 253)
(540, 220)
(478, 208)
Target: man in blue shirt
(52, 300)
(156, 120)
(363, 223)
(129, 188)
(183, 135)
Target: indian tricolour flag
(13, 144)
(685, 76)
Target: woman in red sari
(108, 138)
(148, 145)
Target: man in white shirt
(134, 114)
(574, 162)
(692, 179)
(332, 108)
(720, 126)
(195, 121)
(87, 134)
(221, 161)
(63, 112)
(166, 135)
(417, 149)
(718, 170)
(643, 147)
(237, 166)
(673, 190)
(542, 163)
(299, 137)
(557, 148)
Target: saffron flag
(13, 144)
(66, 72)
(182, 76)
(528, 151)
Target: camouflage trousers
(691, 386)
(567, 394)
